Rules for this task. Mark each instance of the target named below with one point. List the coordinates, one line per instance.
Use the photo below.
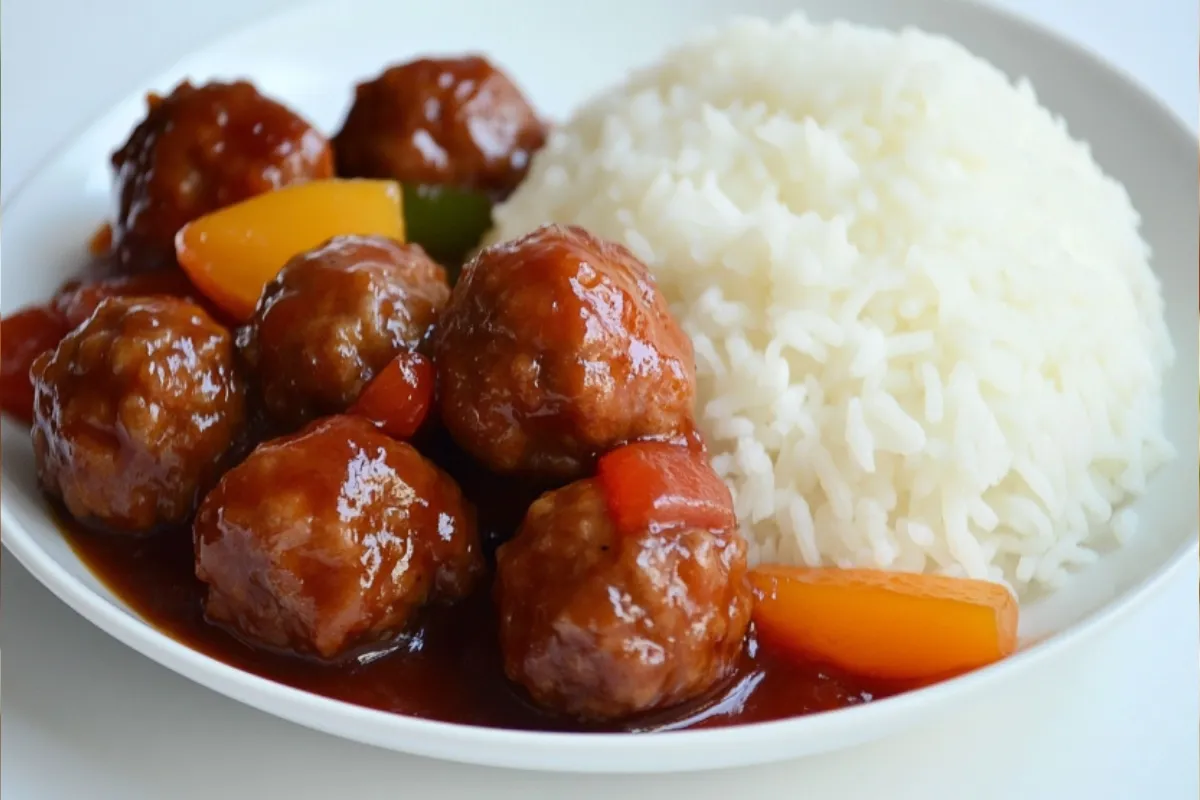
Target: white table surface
(86, 718)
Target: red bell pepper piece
(657, 486)
(24, 336)
(398, 399)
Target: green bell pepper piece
(447, 221)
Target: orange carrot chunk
(24, 336)
(656, 486)
(398, 399)
(232, 253)
(888, 625)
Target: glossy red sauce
(449, 668)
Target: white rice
(927, 334)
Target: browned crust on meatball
(332, 538)
(556, 347)
(334, 317)
(441, 121)
(135, 413)
(199, 149)
(601, 625)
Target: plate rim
(585, 752)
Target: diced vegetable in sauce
(102, 240)
(448, 222)
(399, 397)
(24, 336)
(887, 625)
(232, 253)
(657, 486)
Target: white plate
(562, 52)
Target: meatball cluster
(135, 412)
(445, 121)
(623, 590)
(333, 317)
(198, 149)
(556, 347)
(331, 539)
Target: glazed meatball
(332, 538)
(601, 624)
(198, 149)
(556, 347)
(333, 317)
(457, 122)
(76, 300)
(135, 413)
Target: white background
(84, 718)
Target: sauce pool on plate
(449, 667)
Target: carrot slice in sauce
(655, 486)
(232, 253)
(24, 336)
(398, 399)
(889, 625)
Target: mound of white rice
(927, 334)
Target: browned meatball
(333, 317)
(444, 121)
(135, 413)
(556, 347)
(601, 624)
(201, 148)
(77, 299)
(332, 538)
